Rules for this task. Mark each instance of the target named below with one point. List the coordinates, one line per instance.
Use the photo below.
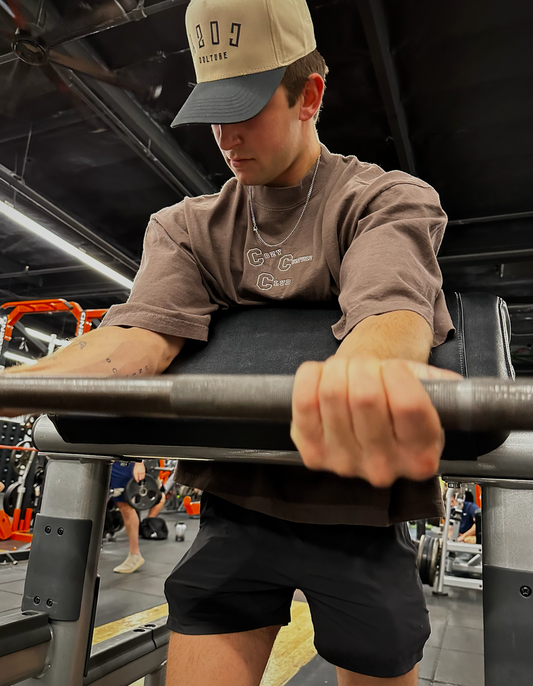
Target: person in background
(1, 487)
(121, 475)
(467, 528)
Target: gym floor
(453, 655)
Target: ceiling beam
(6, 264)
(61, 120)
(31, 273)
(491, 218)
(496, 257)
(137, 14)
(377, 35)
(126, 117)
(123, 115)
(71, 292)
(15, 183)
(518, 308)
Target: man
(121, 475)
(296, 223)
(467, 527)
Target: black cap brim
(229, 101)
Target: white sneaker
(130, 564)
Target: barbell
(479, 404)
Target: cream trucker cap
(241, 50)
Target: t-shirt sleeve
(391, 263)
(168, 294)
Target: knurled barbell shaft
(474, 404)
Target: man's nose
(229, 136)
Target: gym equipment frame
(19, 308)
(60, 599)
(508, 569)
(474, 565)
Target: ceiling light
(47, 235)
(45, 337)
(19, 358)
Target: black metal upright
(508, 582)
(63, 563)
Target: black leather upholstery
(479, 347)
(276, 341)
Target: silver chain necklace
(256, 228)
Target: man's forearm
(401, 335)
(109, 351)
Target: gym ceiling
(442, 90)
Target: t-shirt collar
(286, 197)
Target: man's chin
(248, 179)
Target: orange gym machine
(84, 318)
(191, 508)
(17, 527)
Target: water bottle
(181, 528)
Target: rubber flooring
(453, 655)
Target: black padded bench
(263, 340)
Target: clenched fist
(367, 418)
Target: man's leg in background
(237, 659)
(131, 523)
(156, 509)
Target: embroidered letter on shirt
(255, 257)
(266, 281)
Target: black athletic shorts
(361, 583)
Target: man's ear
(311, 97)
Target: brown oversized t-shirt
(368, 237)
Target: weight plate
(19, 458)
(421, 559)
(37, 489)
(144, 494)
(113, 518)
(19, 461)
(428, 559)
(435, 560)
(116, 522)
(38, 477)
(10, 499)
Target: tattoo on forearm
(81, 345)
(137, 373)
